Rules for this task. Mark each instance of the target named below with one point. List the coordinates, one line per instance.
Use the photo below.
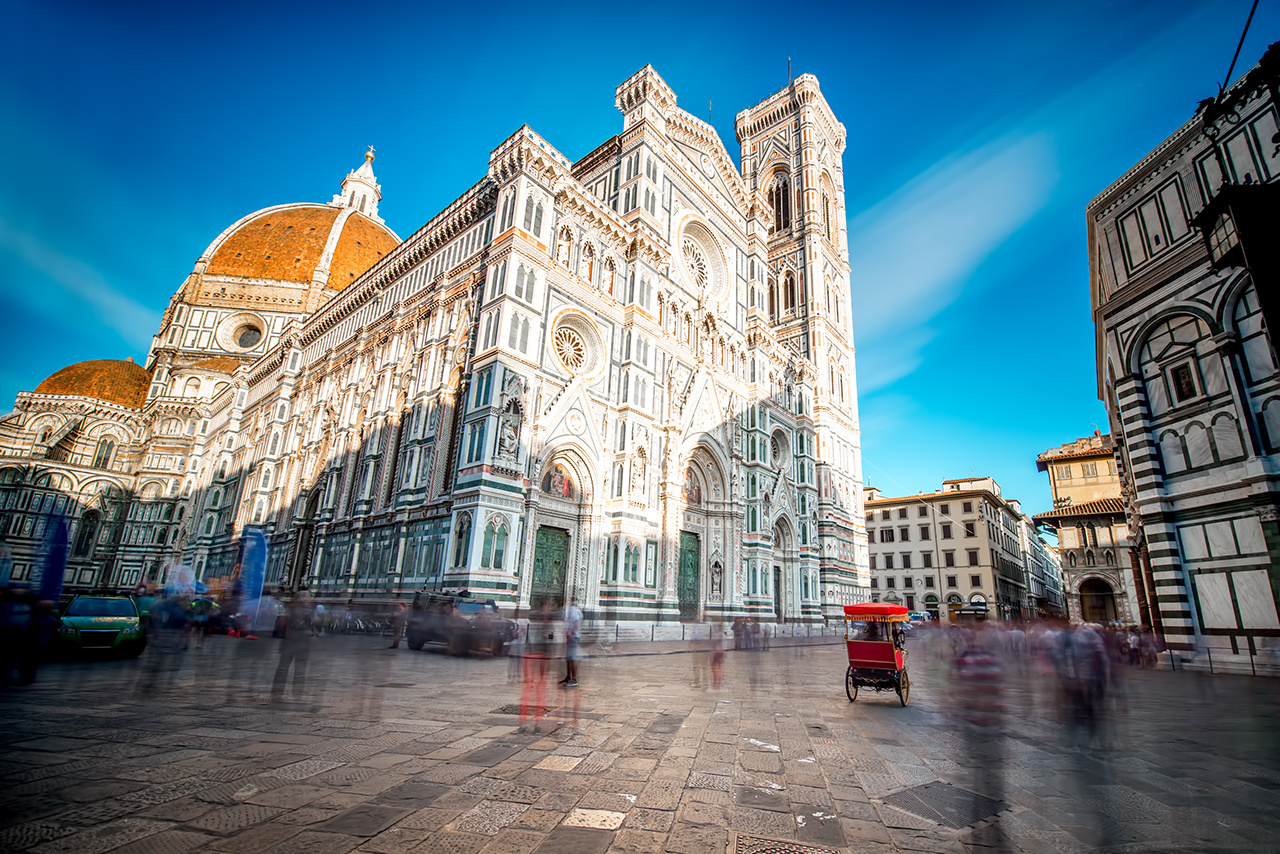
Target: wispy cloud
(913, 252)
(80, 285)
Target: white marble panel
(1222, 542)
(1193, 544)
(1215, 601)
(1249, 535)
(1198, 446)
(1257, 601)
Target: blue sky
(134, 133)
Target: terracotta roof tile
(285, 245)
(220, 363)
(362, 243)
(1101, 507)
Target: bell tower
(792, 150)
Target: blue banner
(253, 563)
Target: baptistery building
(627, 379)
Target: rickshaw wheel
(904, 689)
(850, 687)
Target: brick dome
(123, 382)
(296, 243)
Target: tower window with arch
(462, 541)
(780, 201)
(773, 300)
(789, 293)
(494, 546)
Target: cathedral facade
(627, 379)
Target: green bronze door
(687, 584)
(550, 556)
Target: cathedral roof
(123, 382)
(220, 363)
(290, 243)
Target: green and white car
(102, 624)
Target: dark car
(460, 622)
(102, 624)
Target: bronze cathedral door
(550, 556)
(687, 582)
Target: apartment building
(963, 545)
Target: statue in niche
(509, 433)
(717, 580)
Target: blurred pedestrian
(979, 696)
(1085, 673)
(538, 649)
(573, 643)
(295, 648)
(717, 654)
(397, 625)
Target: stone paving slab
(385, 753)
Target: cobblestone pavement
(392, 750)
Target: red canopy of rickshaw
(876, 611)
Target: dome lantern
(360, 190)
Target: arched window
(524, 335)
(617, 481)
(88, 531)
(275, 444)
(528, 214)
(537, 221)
(780, 200)
(625, 385)
(208, 524)
(462, 541)
(789, 293)
(626, 345)
(258, 510)
(499, 547)
(515, 330)
(519, 291)
(102, 455)
(773, 300)
(192, 388)
(486, 546)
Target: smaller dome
(123, 382)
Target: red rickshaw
(873, 632)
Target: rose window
(695, 261)
(570, 348)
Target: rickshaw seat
(874, 654)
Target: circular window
(577, 345)
(779, 449)
(703, 263)
(696, 261)
(248, 335)
(241, 332)
(570, 349)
